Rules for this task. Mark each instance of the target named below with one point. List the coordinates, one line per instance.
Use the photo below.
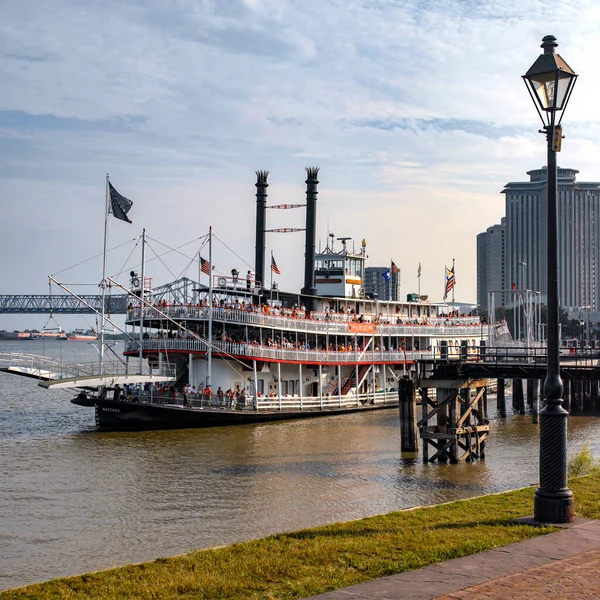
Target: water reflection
(76, 500)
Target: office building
(375, 283)
(523, 265)
(490, 265)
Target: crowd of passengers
(277, 341)
(300, 312)
(169, 392)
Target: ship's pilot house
(340, 273)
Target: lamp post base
(553, 507)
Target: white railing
(48, 368)
(284, 403)
(286, 354)
(318, 323)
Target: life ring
(222, 281)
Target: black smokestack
(261, 205)
(309, 288)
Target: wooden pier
(453, 397)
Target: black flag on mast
(119, 205)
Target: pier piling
(501, 397)
(535, 399)
(408, 415)
(530, 383)
(518, 398)
(567, 395)
(454, 424)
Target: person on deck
(220, 396)
(207, 394)
(242, 398)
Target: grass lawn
(313, 561)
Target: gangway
(52, 374)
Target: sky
(414, 111)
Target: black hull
(129, 416)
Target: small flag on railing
(274, 266)
(419, 271)
(395, 269)
(204, 266)
(386, 275)
(119, 205)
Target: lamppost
(582, 324)
(550, 82)
(519, 300)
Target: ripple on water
(76, 500)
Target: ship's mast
(210, 310)
(103, 282)
(142, 298)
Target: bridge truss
(181, 291)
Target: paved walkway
(564, 564)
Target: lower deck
(155, 412)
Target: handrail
(318, 323)
(287, 354)
(266, 403)
(45, 367)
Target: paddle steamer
(245, 352)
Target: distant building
(375, 283)
(490, 265)
(523, 265)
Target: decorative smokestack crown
(311, 174)
(261, 177)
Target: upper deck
(317, 322)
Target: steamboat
(244, 352)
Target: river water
(76, 500)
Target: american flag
(395, 269)
(274, 266)
(450, 281)
(204, 266)
(119, 205)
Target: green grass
(583, 462)
(313, 561)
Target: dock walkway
(564, 564)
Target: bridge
(181, 291)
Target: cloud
(414, 111)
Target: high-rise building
(524, 260)
(490, 265)
(375, 283)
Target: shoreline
(312, 561)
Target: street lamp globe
(550, 81)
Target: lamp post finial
(549, 43)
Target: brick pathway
(564, 564)
(576, 577)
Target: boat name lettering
(361, 328)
